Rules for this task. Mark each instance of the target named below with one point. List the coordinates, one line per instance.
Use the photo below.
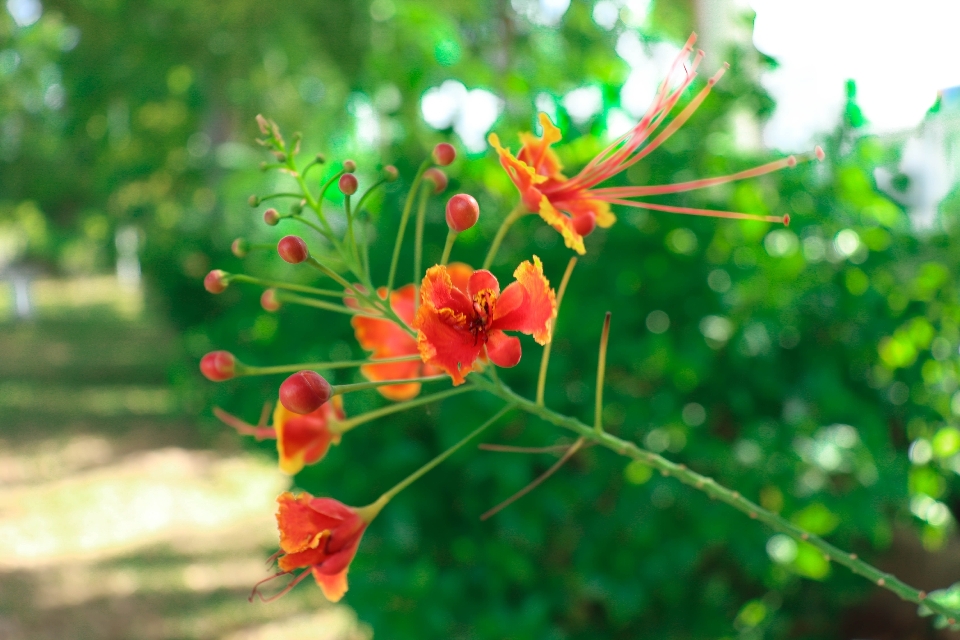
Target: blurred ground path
(117, 519)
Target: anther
(791, 161)
(881, 582)
(819, 153)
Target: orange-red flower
(456, 324)
(320, 535)
(301, 439)
(574, 206)
(385, 339)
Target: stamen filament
(260, 433)
(601, 373)
(283, 591)
(734, 215)
(537, 482)
(545, 358)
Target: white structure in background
(471, 113)
(931, 160)
(127, 240)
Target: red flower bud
(216, 281)
(293, 249)
(444, 154)
(304, 392)
(390, 173)
(240, 248)
(269, 301)
(462, 212)
(585, 223)
(348, 184)
(218, 366)
(437, 177)
(271, 217)
(349, 166)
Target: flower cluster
(451, 324)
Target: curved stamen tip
(819, 153)
(786, 219)
(791, 161)
(726, 65)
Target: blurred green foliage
(798, 365)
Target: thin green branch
(601, 373)
(390, 409)
(710, 487)
(518, 212)
(321, 304)
(273, 284)
(545, 358)
(340, 389)
(247, 370)
(425, 192)
(448, 246)
(404, 218)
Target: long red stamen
(282, 592)
(260, 433)
(655, 190)
(735, 215)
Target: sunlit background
(127, 155)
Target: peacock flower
(302, 439)
(456, 325)
(575, 206)
(385, 339)
(320, 535)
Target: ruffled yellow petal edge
(563, 224)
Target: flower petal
(503, 350)
(304, 439)
(460, 275)
(438, 291)
(536, 313)
(581, 206)
(301, 526)
(563, 224)
(445, 342)
(536, 152)
(333, 585)
(480, 280)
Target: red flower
(321, 535)
(301, 439)
(456, 324)
(385, 339)
(574, 206)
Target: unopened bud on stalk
(390, 173)
(240, 248)
(269, 301)
(348, 184)
(253, 201)
(264, 166)
(280, 156)
(216, 281)
(444, 154)
(297, 207)
(304, 392)
(271, 216)
(218, 366)
(293, 249)
(349, 166)
(437, 177)
(584, 224)
(462, 212)
(320, 158)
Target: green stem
(313, 262)
(451, 238)
(326, 234)
(545, 358)
(416, 475)
(320, 304)
(418, 238)
(710, 487)
(518, 212)
(367, 193)
(601, 372)
(347, 425)
(247, 370)
(340, 389)
(281, 195)
(273, 284)
(404, 218)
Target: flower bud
(390, 173)
(271, 216)
(320, 158)
(462, 212)
(240, 248)
(349, 166)
(444, 154)
(348, 184)
(293, 249)
(218, 366)
(264, 166)
(437, 177)
(297, 207)
(585, 223)
(216, 281)
(304, 392)
(253, 201)
(280, 156)
(269, 301)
